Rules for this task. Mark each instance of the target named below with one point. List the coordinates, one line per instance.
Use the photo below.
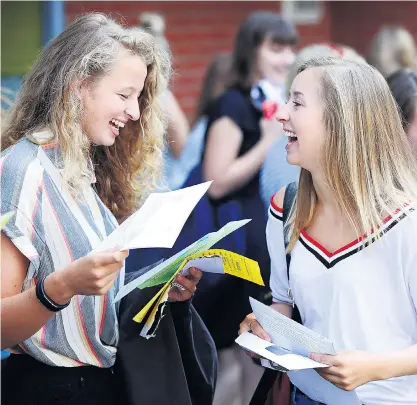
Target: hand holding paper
(165, 270)
(184, 286)
(291, 345)
(291, 342)
(350, 368)
(287, 333)
(276, 354)
(216, 261)
(154, 224)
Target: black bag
(274, 386)
(177, 366)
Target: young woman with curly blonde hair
(82, 147)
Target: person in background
(178, 126)
(393, 48)
(276, 172)
(352, 230)
(83, 138)
(403, 85)
(214, 84)
(236, 142)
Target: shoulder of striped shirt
(14, 155)
(11, 163)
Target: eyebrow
(297, 93)
(130, 88)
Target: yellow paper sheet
(141, 315)
(233, 264)
(162, 299)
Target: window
(302, 12)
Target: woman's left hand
(349, 369)
(188, 286)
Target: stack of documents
(157, 224)
(196, 255)
(288, 352)
(291, 341)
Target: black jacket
(176, 367)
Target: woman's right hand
(93, 274)
(250, 324)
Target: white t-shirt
(359, 299)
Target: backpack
(274, 387)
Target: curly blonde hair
(87, 50)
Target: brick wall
(196, 31)
(356, 23)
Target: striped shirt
(52, 229)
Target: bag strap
(289, 197)
(269, 376)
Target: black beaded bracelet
(47, 302)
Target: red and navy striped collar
(330, 259)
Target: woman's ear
(79, 88)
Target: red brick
(197, 30)
(355, 23)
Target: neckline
(44, 138)
(329, 259)
(350, 244)
(329, 254)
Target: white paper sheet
(206, 242)
(269, 351)
(296, 338)
(158, 222)
(289, 334)
(305, 378)
(319, 389)
(212, 264)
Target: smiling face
(112, 101)
(302, 119)
(274, 61)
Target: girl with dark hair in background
(236, 142)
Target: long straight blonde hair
(366, 157)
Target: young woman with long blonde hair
(83, 144)
(352, 231)
(393, 48)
